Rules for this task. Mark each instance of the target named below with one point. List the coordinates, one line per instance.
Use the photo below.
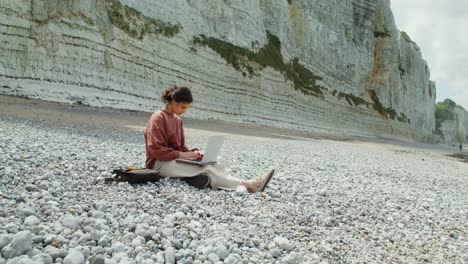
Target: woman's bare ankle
(251, 185)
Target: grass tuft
(352, 99)
(137, 25)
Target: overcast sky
(440, 28)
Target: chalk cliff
(451, 123)
(305, 64)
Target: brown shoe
(263, 180)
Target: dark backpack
(134, 175)
(142, 175)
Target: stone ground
(333, 199)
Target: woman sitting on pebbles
(164, 140)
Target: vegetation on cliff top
(247, 61)
(135, 24)
(443, 112)
(406, 37)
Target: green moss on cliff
(386, 112)
(382, 34)
(352, 99)
(229, 52)
(443, 112)
(85, 18)
(135, 24)
(402, 118)
(247, 61)
(305, 79)
(377, 105)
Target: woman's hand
(200, 155)
(189, 155)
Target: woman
(165, 141)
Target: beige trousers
(218, 179)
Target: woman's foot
(251, 185)
(260, 183)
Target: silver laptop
(212, 150)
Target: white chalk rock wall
(371, 77)
(456, 131)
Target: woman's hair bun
(178, 94)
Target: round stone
(101, 206)
(138, 241)
(222, 252)
(74, 257)
(71, 222)
(42, 258)
(231, 260)
(99, 259)
(31, 220)
(104, 241)
(283, 243)
(213, 258)
(241, 190)
(20, 243)
(119, 247)
(170, 255)
(5, 239)
(275, 252)
(293, 258)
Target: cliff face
(312, 65)
(451, 123)
(455, 131)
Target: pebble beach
(330, 201)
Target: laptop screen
(213, 148)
